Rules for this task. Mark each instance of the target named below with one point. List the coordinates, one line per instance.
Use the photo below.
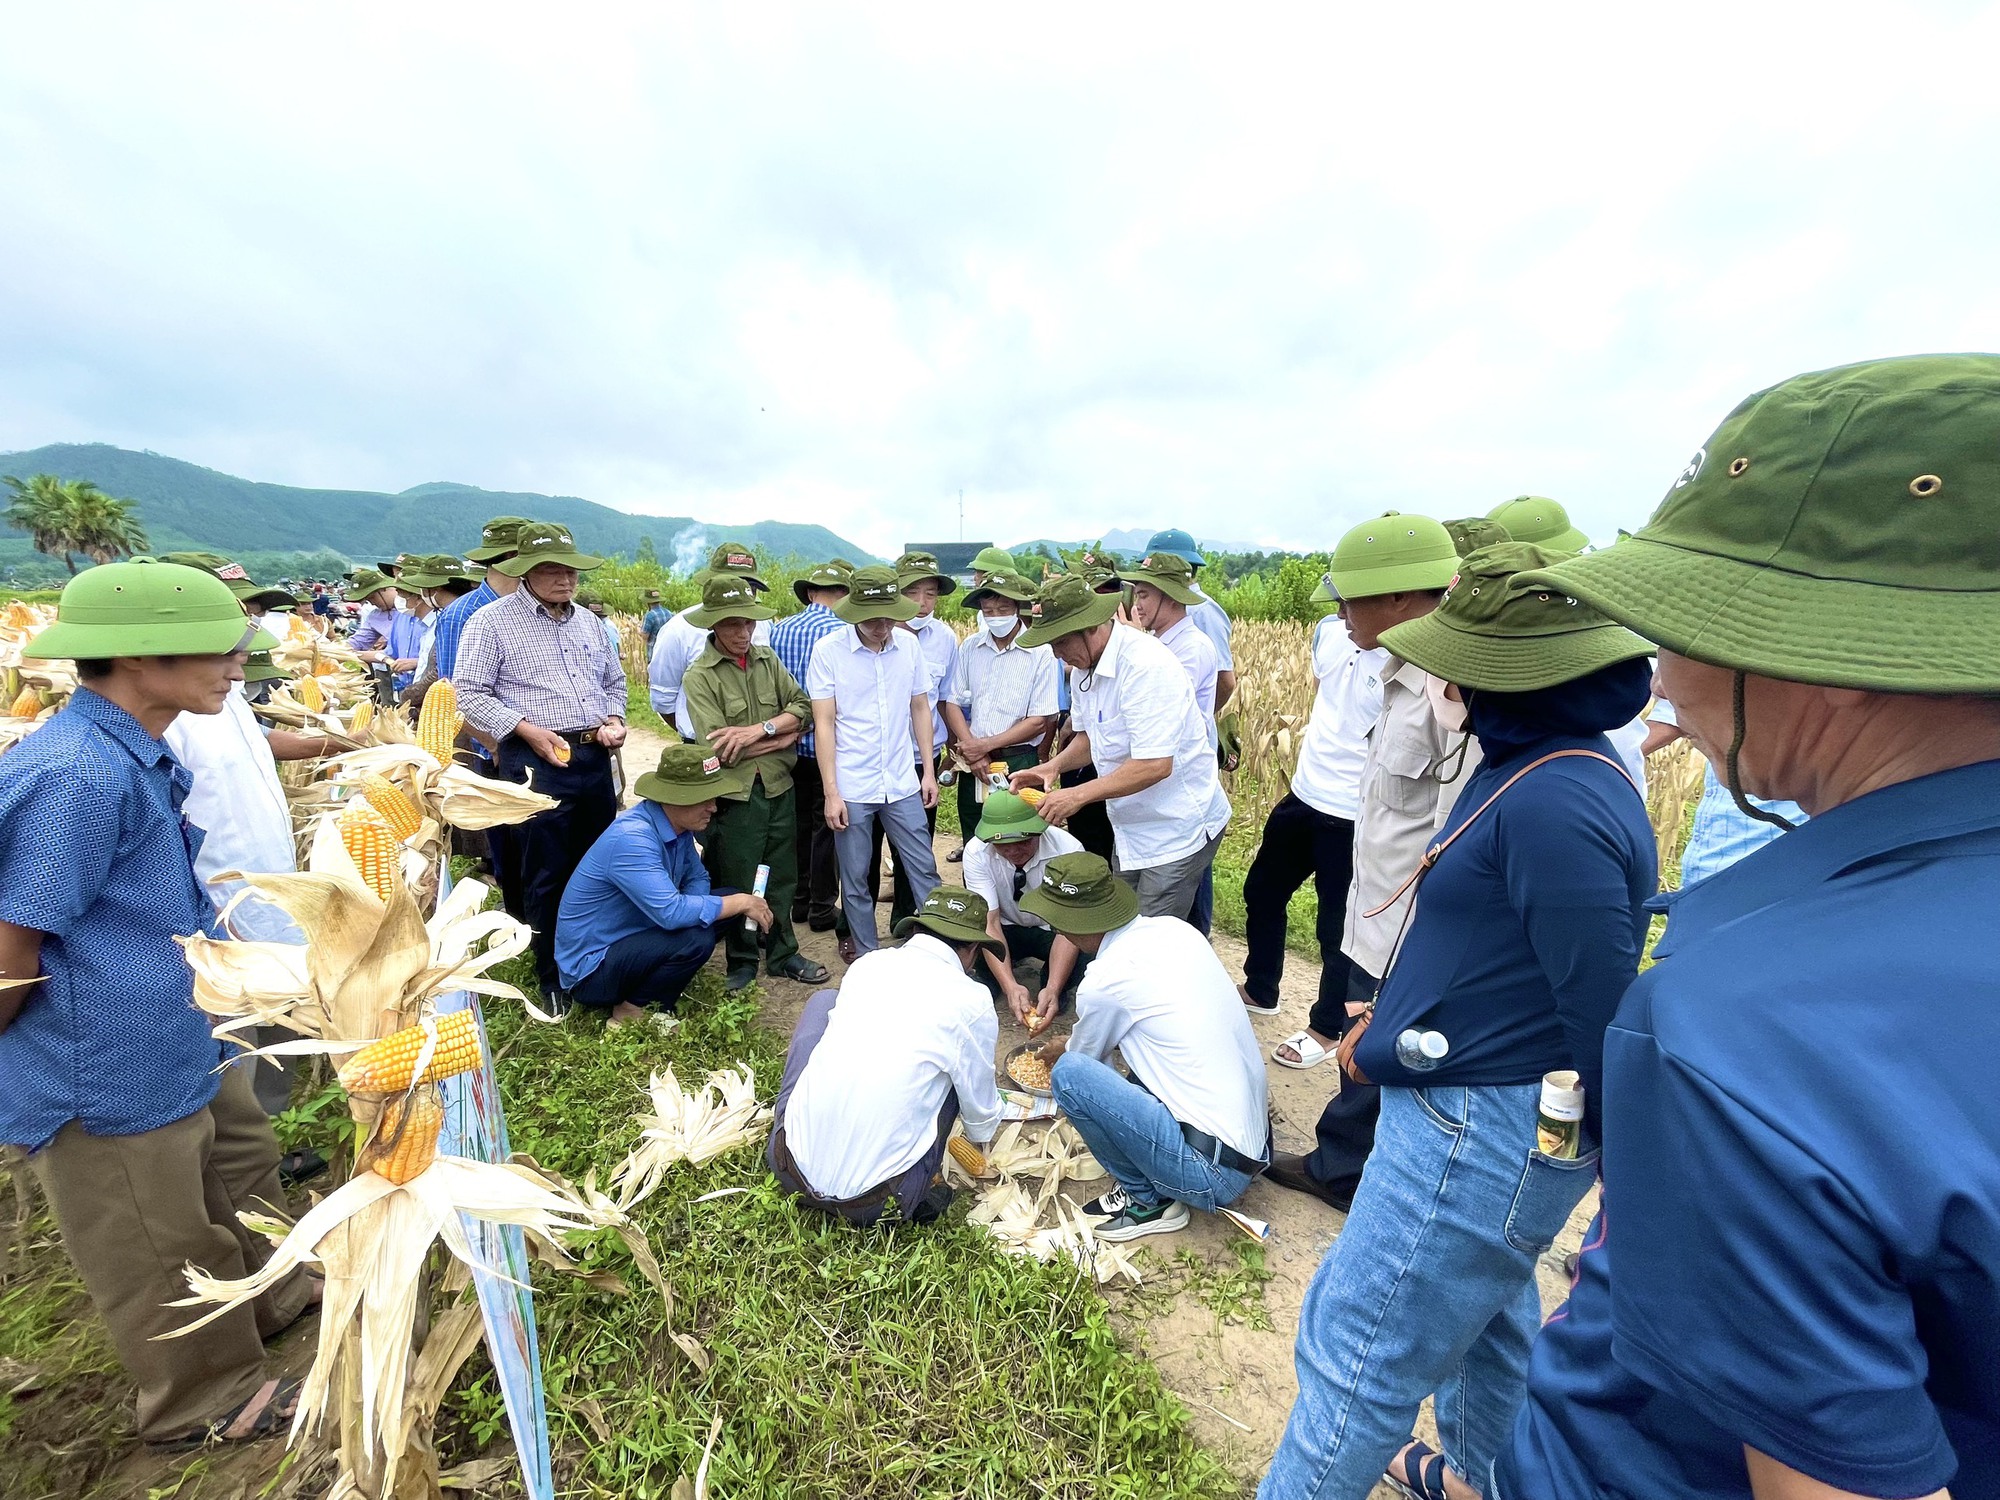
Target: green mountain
(183, 505)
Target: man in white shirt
(879, 1071)
(1134, 718)
(1192, 1125)
(1003, 697)
(872, 727)
(1210, 618)
(923, 584)
(680, 640)
(1003, 861)
(1163, 600)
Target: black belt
(576, 736)
(1222, 1154)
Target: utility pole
(961, 512)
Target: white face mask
(999, 626)
(1450, 713)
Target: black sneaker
(739, 978)
(1137, 1222)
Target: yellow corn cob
(967, 1156)
(371, 845)
(308, 691)
(562, 752)
(18, 614)
(384, 1067)
(364, 715)
(438, 723)
(402, 815)
(27, 705)
(1032, 795)
(405, 1139)
(324, 667)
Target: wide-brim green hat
(954, 914)
(260, 668)
(825, 576)
(1079, 894)
(269, 598)
(1008, 818)
(1393, 554)
(1497, 632)
(368, 581)
(1010, 586)
(1538, 519)
(545, 542)
(915, 567)
(1065, 605)
(497, 538)
(1168, 572)
(147, 608)
(728, 597)
(874, 594)
(731, 558)
(1841, 528)
(690, 774)
(1470, 533)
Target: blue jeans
(1136, 1140)
(1430, 1289)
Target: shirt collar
(1115, 936)
(119, 725)
(1114, 649)
(1408, 673)
(855, 643)
(932, 947)
(656, 815)
(536, 606)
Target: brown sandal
(268, 1412)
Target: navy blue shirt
(94, 853)
(1529, 927)
(1801, 1177)
(639, 875)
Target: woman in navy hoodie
(1526, 930)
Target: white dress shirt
(239, 804)
(989, 875)
(875, 747)
(909, 1026)
(1196, 654)
(998, 686)
(940, 643)
(674, 651)
(1137, 704)
(1345, 707)
(1157, 992)
(1213, 621)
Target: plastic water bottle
(1420, 1051)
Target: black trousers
(1346, 1128)
(546, 849)
(1090, 825)
(817, 897)
(1301, 843)
(650, 968)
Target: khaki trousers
(136, 1210)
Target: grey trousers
(1168, 890)
(909, 835)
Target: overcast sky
(1257, 273)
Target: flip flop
(1310, 1053)
(267, 1413)
(1255, 1006)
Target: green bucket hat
(1008, 585)
(546, 542)
(497, 538)
(1170, 574)
(915, 567)
(826, 576)
(147, 608)
(690, 774)
(260, 668)
(1498, 632)
(728, 597)
(995, 560)
(1839, 529)
(1079, 893)
(431, 570)
(1393, 554)
(367, 581)
(954, 914)
(240, 583)
(734, 558)
(1098, 568)
(874, 594)
(1008, 819)
(1067, 603)
(1534, 518)
(1471, 533)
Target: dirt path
(1236, 1378)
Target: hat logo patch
(740, 560)
(712, 766)
(230, 572)
(1693, 468)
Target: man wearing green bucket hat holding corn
(1005, 858)
(1791, 1291)
(146, 1146)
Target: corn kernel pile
(1029, 1071)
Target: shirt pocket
(1403, 778)
(1547, 1194)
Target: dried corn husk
(719, 1116)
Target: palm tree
(62, 519)
(40, 507)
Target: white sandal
(1311, 1053)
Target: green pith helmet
(1840, 529)
(954, 914)
(497, 538)
(995, 560)
(1067, 603)
(1496, 631)
(231, 573)
(874, 594)
(1171, 574)
(690, 774)
(147, 608)
(546, 542)
(826, 576)
(1537, 519)
(1002, 586)
(1470, 533)
(915, 567)
(728, 597)
(1008, 819)
(733, 558)
(1393, 554)
(1079, 894)
(368, 581)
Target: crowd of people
(1790, 1110)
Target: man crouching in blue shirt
(1802, 1123)
(146, 1147)
(638, 919)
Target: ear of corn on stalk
(389, 1066)
(308, 691)
(404, 817)
(439, 722)
(27, 705)
(371, 845)
(405, 1140)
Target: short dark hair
(93, 668)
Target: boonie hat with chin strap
(874, 594)
(1393, 554)
(690, 774)
(727, 597)
(915, 567)
(1842, 528)
(1079, 893)
(1066, 604)
(954, 914)
(826, 576)
(368, 581)
(1538, 519)
(1170, 573)
(546, 542)
(147, 608)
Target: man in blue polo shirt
(108, 1074)
(1792, 1288)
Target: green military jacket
(719, 692)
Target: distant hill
(183, 505)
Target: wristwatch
(770, 728)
